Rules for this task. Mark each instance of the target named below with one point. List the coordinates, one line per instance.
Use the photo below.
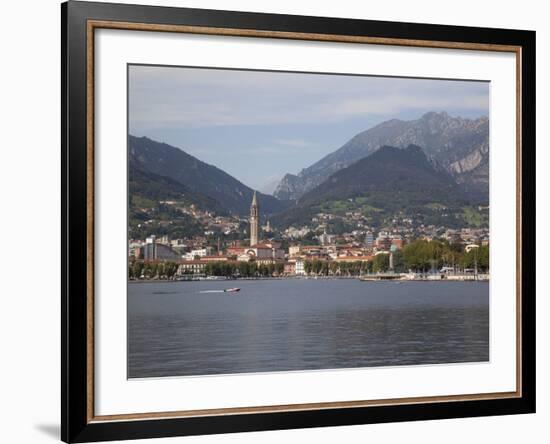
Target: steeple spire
(254, 220)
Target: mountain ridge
(459, 145)
(390, 181)
(388, 169)
(155, 188)
(165, 160)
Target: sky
(260, 125)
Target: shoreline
(370, 278)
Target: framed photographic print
(275, 221)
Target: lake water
(186, 328)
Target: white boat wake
(227, 290)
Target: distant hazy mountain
(161, 160)
(460, 145)
(269, 186)
(388, 182)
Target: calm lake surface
(186, 328)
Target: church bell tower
(254, 220)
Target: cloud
(397, 103)
(163, 98)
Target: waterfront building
(150, 248)
(290, 267)
(254, 220)
(299, 267)
(264, 251)
(192, 267)
(153, 251)
(260, 251)
(166, 253)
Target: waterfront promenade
(409, 277)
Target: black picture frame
(76, 423)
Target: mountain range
(389, 182)
(459, 145)
(168, 168)
(442, 179)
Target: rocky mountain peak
(458, 145)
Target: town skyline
(452, 253)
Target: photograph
(286, 221)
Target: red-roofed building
(235, 251)
(264, 251)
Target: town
(236, 247)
